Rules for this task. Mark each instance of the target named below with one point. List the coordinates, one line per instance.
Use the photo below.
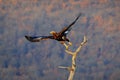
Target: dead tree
(72, 68)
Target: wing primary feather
(37, 39)
(74, 21)
(67, 29)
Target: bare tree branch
(74, 54)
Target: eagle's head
(52, 32)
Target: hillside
(20, 59)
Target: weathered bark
(72, 68)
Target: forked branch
(72, 68)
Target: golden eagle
(59, 36)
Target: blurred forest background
(23, 60)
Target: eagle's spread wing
(38, 38)
(66, 30)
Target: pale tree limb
(74, 54)
(68, 68)
(69, 52)
(67, 46)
